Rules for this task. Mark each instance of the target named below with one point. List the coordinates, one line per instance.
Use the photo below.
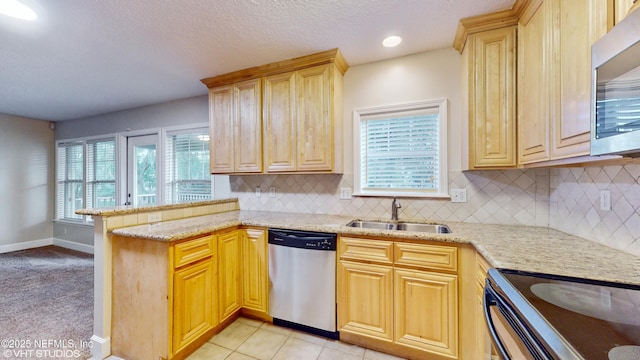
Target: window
(70, 180)
(85, 176)
(101, 173)
(187, 166)
(401, 150)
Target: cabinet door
(622, 8)
(365, 305)
(314, 119)
(248, 126)
(534, 74)
(580, 24)
(254, 270)
(280, 123)
(194, 304)
(221, 128)
(492, 98)
(426, 311)
(228, 274)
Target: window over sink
(400, 150)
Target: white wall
(179, 112)
(27, 182)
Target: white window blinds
(70, 180)
(101, 173)
(401, 150)
(187, 170)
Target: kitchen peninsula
(533, 249)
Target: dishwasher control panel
(303, 239)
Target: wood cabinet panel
(194, 302)
(280, 129)
(579, 24)
(193, 250)
(426, 256)
(314, 119)
(248, 126)
(426, 311)
(255, 276)
(492, 90)
(365, 299)
(357, 249)
(534, 72)
(221, 128)
(228, 274)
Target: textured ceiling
(89, 57)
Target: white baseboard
(73, 245)
(45, 242)
(25, 245)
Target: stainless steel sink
(401, 225)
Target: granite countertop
(526, 248)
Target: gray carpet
(46, 304)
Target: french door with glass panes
(142, 170)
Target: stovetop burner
(600, 320)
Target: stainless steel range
(543, 316)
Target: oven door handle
(490, 300)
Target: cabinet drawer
(192, 250)
(366, 250)
(426, 256)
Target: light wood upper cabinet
(534, 78)
(280, 123)
(235, 124)
(221, 128)
(578, 24)
(621, 8)
(492, 101)
(254, 265)
(293, 123)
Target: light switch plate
(459, 195)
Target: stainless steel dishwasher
(302, 280)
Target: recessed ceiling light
(392, 41)
(16, 9)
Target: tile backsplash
(574, 204)
(567, 199)
(514, 197)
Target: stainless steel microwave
(615, 90)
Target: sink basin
(400, 225)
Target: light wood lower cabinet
(229, 274)
(194, 302)
(255, 276)
(399, 297)
(366, 299)
(169, 298)
(426, 311)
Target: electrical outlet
(272, 191)
(605, 200)
(345, 193)
(459, 195)
(155, 217)
(258, 191)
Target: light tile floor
(249, 339)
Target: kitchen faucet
(395, 205)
